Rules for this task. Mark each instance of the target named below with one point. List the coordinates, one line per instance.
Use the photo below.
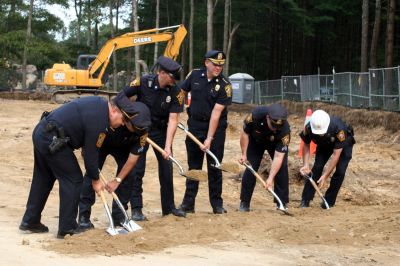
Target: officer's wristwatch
(118, 179)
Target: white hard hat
(319, 122)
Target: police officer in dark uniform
(82, 123)
(165, 101)
(333, 138)
(125, 144)
(211, 93)
(266, 128)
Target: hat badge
(168, 99)
(219, 56)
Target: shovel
(309, 177)
(111, 229)
(198, 177)
(128, 224)
(281, 207)
(217, 163)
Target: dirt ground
(363, 228)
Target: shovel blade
(114, 231)
(131, 226)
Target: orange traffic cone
(313, 146)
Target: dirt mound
(37, 96)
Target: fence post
(282, 87)
(398, 86)
(369, 88)
(351, 91)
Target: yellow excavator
(89, 76)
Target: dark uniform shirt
(161, 102)
(122, 138)
(335, 137)
(205, 94)
(85, 122)
(256, 126)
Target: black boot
(85, 224)
(219, 210)
(176, 212)
(244, 206)
(186, 208)
(62, 234)
(137, 215)
(34, 228)
(305, 204)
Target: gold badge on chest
(217, 87)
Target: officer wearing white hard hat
(334, 139)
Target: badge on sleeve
(143, 139)
(100, 140)
(180, 97)
(135, 83)
(341, 136)
(286, 140)
(228, 89)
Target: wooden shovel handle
(103, 198)
(315, 187)
(198, 142)
(255, 174)
(152, 143)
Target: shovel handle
(198, 142)
(158, 148)
(309, 177)
(255, 174)
(102, 177)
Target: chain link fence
(376, 89)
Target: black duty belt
(200, 118)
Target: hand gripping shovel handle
(128, 224)
(192, 137)
(251, 169)
(309, 177)
(158, 148)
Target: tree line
(265, 38)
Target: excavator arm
(173, 39)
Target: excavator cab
(84, 61)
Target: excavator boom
(62, 75)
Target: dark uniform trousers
(88, 197)
(62, 166)
(321, 158)
(255, 152)
(165, 174)
(195, 161)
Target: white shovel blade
(114, 231)
(131, 226)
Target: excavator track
(67, 95)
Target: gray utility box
(242, 87)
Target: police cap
(278, 114)
(170, 66)
(135, 112)
(216, 57)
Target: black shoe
(244, 207)
(34, 228)
(178, 212)
(219, 210)
(62, 234)
(85, 224)
(137, 215)
(305, 204)
(186, 208)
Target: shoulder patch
(100, 140)
(341, 136)
(181, 97)
(143, 139)
(248, 119)
(286, 140)
(135, 83)
(228, 89)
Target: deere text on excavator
(89, 75)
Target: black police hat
(278, 114)
(216, 57)
(170, 66)
(136, 112)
